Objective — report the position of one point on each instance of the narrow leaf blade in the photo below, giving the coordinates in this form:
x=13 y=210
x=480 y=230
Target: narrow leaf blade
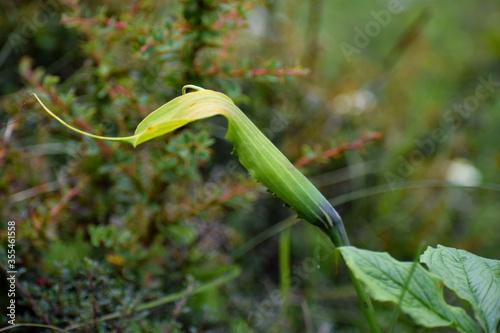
x=419 y=293
x=472 y=278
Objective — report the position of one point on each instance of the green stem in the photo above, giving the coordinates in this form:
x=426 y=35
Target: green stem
x=366 y=303
x=284 y=257
x=54 y=328
x=231 y=275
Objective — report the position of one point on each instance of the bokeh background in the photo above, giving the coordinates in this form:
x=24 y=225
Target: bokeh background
x=390 y=107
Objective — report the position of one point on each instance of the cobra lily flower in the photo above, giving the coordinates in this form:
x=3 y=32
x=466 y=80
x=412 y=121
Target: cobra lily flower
x=257 y=154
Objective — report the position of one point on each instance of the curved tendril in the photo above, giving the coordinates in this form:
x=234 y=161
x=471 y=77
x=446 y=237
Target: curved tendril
x=129 y=139
x=190 y=86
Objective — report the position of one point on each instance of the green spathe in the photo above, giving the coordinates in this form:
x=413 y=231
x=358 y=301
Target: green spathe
x=259 y=156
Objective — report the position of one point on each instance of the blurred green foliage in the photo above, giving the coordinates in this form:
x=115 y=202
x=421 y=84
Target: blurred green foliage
x=175 y=209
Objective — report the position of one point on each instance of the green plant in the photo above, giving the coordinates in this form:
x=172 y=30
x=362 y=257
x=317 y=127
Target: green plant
x=111 y=205
x=414 y=290
x=164 y=212
x=83 y=293
x=419 y=293
x=262 y=159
